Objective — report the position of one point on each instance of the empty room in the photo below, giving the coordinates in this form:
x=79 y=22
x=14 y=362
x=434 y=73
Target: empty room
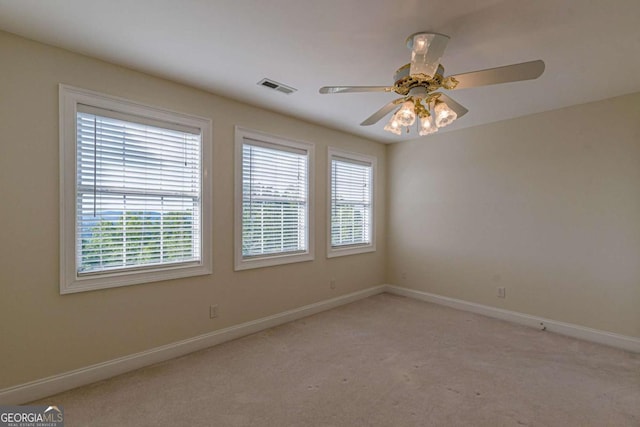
x=327 y=213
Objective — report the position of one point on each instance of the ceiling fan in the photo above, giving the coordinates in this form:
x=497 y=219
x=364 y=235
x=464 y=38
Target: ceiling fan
x=419 y=81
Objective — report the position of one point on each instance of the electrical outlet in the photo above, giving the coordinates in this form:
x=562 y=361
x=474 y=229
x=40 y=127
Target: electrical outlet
x=213 y=311
x=332 y=283
x=403 y=275
x=502 y=292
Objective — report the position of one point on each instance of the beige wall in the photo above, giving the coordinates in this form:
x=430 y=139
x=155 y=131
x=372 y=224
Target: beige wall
x=547 y=206
x=43 y=333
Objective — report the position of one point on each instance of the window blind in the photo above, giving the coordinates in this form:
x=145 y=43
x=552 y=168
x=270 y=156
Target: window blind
x=351 y=194
x=274 y=199
x=138 y=192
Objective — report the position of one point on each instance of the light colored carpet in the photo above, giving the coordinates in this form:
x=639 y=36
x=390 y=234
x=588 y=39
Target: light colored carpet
x=382 y=361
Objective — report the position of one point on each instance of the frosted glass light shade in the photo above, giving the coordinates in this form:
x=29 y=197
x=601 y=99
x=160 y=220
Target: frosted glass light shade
x=393 y=126
x=444 y=114
x=427 y=126
x=406 y=116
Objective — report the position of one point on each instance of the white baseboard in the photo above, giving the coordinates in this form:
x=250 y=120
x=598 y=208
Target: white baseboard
x=576 y=331
x=58 y=383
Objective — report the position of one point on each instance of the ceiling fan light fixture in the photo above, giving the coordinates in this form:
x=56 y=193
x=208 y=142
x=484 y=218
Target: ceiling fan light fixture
x=393 y=126
x=406 y=115
x=444 y=114
x=427 y=126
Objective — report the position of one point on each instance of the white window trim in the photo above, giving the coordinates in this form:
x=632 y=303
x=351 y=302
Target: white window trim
x=270 y=260
x=353 y=249
x=70 y=281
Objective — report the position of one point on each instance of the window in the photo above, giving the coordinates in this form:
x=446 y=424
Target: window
x=351 y=178
x=274 y=213
x=134 y=198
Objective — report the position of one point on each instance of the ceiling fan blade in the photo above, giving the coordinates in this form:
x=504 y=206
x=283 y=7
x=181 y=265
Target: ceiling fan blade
x=509 y=73
x=348 y=89
x=459 y=109
x=375 y=117
x=426 y=51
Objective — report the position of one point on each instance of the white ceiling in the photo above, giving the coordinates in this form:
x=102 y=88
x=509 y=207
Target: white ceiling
x=591 y=48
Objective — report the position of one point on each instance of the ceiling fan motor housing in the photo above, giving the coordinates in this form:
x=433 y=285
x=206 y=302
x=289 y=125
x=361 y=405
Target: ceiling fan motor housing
x=404 y=81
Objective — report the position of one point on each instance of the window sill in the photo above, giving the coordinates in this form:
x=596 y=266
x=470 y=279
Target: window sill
x=272 y=260
x=114 y=280
x=350 y=250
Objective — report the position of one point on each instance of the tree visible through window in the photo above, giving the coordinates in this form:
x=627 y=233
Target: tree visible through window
x=137 y=238
x=138 y=193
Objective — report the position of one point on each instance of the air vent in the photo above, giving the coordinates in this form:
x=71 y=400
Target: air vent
x=277 y=86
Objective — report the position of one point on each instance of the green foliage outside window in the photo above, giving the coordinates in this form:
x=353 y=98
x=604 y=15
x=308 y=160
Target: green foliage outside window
x=138 y=238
